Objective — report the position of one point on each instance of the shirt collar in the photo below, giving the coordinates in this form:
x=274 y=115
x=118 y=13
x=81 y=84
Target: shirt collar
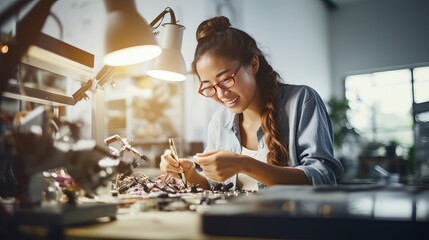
x=232 y=121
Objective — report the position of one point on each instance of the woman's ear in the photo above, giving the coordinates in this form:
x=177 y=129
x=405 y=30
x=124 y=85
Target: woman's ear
x=254 y=62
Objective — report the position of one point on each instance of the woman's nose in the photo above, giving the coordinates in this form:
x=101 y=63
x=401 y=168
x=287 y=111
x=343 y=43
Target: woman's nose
x=220 y=92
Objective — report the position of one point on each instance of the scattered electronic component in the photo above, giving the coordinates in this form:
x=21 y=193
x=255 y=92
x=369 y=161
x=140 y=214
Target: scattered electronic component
x=164 y=192
x=145 y=194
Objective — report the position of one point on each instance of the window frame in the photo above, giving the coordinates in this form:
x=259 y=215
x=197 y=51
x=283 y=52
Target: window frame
x=417 y=108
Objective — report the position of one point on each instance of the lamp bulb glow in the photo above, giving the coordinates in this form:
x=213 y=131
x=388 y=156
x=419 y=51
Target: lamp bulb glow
x=166 y=75
x=132 y=55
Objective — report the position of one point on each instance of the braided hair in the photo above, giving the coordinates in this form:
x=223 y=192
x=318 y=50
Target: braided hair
x=216 y=36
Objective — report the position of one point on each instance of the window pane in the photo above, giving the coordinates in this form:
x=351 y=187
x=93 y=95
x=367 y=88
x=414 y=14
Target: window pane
x=381 y=105
x=421 y=84
x=395 y=99
x=357 y=82
x=403 y=136
x=393 y=120
x=361 y=117
x=357 y=88
x=392 y=77
x=421 y=74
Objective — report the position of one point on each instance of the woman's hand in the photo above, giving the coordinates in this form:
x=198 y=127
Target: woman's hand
x=219 y=165
x=169 y=165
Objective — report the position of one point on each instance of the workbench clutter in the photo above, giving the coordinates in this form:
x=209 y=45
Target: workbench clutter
x=137 y=191
x=55 y=167
x=66 y=187
x=140 y=193
x=55 y=176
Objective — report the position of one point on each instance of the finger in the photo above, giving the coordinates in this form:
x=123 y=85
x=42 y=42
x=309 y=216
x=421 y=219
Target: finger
x=203 y=161
x=172 y=169
x=197 y=160
x=165 y=167
x=169 y=158
x=200 y=161
x=185 y=163
x=211 y=176
x=208 y=169
x=205 y=154
x=167 y=152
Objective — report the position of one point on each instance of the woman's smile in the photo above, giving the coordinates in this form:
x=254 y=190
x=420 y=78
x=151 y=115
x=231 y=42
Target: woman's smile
x=230 y=102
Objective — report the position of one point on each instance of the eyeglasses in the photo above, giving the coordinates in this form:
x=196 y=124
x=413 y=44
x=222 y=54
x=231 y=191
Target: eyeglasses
x=224 y=84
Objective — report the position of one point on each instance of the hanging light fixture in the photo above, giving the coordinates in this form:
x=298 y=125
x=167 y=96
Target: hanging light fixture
x=170 y=65
x=129 y=39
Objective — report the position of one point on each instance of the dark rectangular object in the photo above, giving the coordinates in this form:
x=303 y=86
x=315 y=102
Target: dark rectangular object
x=271 y=226
x=306 y=212
x=64 y=49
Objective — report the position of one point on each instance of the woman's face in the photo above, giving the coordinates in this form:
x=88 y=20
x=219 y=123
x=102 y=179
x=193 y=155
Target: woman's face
x=240 y=96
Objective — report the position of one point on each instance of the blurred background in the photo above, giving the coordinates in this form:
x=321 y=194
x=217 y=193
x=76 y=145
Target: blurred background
x=368 y=59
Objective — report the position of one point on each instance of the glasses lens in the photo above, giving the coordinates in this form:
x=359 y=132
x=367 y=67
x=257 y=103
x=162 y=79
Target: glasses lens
x=227 y=83
x=208 y=92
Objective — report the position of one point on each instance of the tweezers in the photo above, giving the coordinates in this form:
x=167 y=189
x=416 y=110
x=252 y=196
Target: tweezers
x=176 y=157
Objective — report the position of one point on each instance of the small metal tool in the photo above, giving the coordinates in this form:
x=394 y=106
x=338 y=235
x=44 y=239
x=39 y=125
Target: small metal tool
x=176 y=157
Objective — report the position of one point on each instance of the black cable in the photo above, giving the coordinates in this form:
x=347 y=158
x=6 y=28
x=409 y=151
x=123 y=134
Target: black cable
x=60 y=25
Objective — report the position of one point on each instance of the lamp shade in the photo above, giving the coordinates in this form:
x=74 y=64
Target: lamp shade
x=170 y=65
x=129 y=39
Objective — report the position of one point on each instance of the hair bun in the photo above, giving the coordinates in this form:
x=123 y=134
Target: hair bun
x=213 y=25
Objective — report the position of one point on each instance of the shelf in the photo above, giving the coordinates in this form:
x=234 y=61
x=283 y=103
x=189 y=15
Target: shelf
x=38 y=96
x=50 y=56
x=59 y=57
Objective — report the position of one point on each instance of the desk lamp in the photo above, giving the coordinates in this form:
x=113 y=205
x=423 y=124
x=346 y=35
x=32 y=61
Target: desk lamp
x=170 y=65
x=27 y=32
x=129 y=39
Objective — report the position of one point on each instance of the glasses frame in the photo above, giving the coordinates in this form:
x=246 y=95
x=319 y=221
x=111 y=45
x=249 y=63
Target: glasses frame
x=201 y=89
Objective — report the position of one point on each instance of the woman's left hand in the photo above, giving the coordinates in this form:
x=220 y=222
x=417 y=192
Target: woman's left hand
x=218 y=165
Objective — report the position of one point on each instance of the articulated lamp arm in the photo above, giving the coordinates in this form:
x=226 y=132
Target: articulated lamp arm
x=161 y=16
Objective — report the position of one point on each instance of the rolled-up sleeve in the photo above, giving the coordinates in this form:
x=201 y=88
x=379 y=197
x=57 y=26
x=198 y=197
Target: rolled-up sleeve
x=313 y=142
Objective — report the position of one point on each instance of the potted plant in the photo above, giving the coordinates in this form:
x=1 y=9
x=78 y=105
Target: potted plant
x=342 y=128
x=391 y=148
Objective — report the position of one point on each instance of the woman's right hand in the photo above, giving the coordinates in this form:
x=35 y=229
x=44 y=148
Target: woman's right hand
x=169 y=165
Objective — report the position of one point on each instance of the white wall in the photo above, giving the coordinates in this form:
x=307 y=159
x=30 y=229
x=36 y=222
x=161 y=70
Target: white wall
x=378 y=34
x=293 y=34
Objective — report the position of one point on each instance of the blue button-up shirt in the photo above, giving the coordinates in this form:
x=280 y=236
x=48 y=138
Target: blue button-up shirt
x=305 y=128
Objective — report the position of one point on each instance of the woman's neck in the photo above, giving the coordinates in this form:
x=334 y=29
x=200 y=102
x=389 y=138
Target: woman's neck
x=250 y=119
x=252 y=114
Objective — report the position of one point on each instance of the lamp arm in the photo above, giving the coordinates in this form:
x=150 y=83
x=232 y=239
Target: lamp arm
x=80 y=93
x=103 y=76
x=162 y=14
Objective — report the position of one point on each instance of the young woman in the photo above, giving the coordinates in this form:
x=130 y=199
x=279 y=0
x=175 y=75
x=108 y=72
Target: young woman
x=267 y=133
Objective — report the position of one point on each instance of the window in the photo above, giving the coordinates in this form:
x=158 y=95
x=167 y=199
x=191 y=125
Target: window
x=421 y=90
x=381 y=103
